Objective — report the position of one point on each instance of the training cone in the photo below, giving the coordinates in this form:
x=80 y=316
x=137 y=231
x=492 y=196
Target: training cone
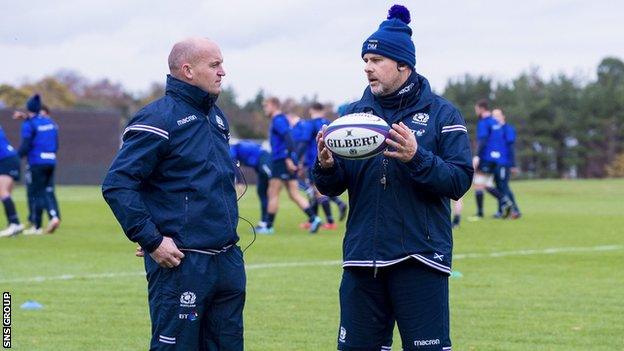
x=456 y=274
x=31 y=305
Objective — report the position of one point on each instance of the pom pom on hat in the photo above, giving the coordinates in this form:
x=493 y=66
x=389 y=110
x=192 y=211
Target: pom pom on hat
x=400 y=12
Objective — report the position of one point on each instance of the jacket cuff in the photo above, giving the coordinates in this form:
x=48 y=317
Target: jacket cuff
x=150 y=242
x=419 y=161
x=318 y=169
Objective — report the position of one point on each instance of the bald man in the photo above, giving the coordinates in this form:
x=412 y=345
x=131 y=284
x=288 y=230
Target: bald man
x=171 y=187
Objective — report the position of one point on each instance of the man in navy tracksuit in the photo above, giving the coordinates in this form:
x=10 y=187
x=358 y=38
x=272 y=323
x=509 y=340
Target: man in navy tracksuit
x=39 y=146
x=252 y=155
x=398 y=244
x=171 y=187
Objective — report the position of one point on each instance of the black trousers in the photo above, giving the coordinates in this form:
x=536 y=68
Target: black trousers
x=198 y=305
x=41 y=193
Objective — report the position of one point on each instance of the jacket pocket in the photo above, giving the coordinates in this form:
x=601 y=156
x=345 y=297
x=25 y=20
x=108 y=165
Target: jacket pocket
x=184 y=216
x=427 y=224
x=186 y=208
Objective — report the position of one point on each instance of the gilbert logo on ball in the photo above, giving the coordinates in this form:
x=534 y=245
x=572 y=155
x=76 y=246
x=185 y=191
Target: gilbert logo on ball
x=357 y=136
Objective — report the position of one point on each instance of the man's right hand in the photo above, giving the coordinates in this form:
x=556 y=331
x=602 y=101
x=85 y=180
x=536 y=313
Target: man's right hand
x=326 y=159
x=167 y=254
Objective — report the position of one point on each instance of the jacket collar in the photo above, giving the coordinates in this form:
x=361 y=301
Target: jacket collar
x=193 y=95
x=421 y=97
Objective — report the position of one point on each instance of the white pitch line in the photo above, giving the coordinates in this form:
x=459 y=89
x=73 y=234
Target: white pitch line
x=550 y=251
x=254 y=266
x=291 y=264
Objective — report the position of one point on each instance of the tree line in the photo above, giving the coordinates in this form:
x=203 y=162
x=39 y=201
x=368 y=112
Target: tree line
x=567 y=126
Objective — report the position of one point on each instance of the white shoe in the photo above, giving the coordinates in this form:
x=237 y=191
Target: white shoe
x=261 y=225
x=12 y=229
x=33 y=231
x=54 y=223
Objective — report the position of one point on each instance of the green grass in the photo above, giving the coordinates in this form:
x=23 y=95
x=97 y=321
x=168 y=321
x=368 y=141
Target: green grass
x=560 y=301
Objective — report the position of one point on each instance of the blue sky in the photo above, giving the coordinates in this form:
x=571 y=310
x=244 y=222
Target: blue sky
x=296 y=48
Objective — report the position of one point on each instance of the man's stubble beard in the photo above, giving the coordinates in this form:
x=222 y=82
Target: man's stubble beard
x=384 y=90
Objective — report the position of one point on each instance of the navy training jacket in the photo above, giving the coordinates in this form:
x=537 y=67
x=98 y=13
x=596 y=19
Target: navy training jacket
x=39 y=141
x=248 y=153
x=173 y=175
x=281 y=139
x=311 y=153
x=409 y=216
x=509 y=155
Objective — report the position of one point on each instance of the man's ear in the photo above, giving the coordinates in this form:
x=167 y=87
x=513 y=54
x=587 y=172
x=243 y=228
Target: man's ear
x=187 y=71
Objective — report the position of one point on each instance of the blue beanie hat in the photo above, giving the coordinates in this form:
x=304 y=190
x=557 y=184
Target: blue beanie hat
x=34 y=104
x=393 y=39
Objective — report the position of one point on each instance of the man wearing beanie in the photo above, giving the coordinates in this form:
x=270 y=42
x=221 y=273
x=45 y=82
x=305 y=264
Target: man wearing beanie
x=398 y=243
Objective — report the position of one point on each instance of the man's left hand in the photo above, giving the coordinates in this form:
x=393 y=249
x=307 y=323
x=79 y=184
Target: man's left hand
x=403 y=141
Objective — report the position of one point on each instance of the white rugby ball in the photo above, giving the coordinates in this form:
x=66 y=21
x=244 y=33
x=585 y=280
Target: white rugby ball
x=357 y=136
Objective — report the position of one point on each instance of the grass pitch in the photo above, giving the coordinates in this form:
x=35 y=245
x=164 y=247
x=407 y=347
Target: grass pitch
x=553 y=280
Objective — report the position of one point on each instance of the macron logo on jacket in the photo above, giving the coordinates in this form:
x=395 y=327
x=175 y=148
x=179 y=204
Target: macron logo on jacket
x=185 y=120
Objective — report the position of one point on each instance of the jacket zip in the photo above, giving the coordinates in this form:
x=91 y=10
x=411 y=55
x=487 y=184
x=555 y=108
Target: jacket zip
x=186 y=207
x=427 y=224
x=383 y=181
x=227 y=208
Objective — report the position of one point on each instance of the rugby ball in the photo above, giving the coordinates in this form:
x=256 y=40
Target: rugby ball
x=357 y=136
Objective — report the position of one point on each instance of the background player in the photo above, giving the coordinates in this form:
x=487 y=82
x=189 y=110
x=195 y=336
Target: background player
x=9 y=172
x=283 y=168
x=53 y=210
x=507 y=161
x=317 y=114
x=39 y=146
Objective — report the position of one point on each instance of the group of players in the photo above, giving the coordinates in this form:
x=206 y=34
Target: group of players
x=39 y=146
x=289 y=163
